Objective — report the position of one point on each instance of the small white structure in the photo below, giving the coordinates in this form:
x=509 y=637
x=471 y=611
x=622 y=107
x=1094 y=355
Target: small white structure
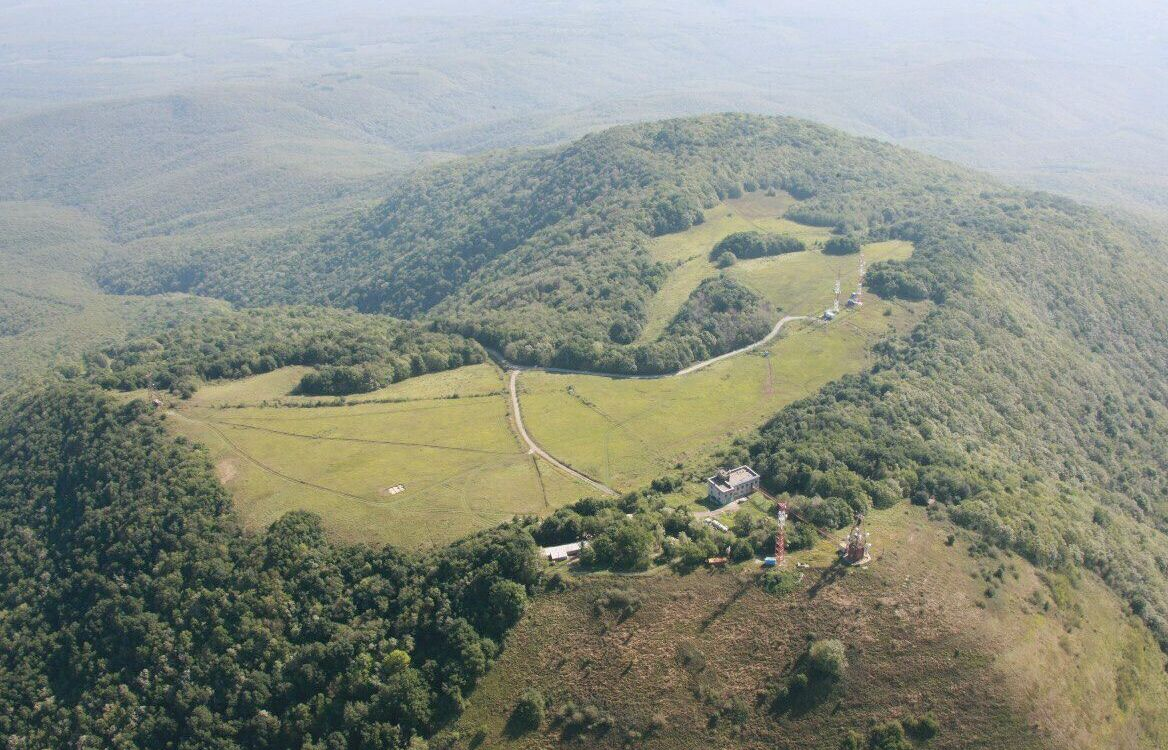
x=731 y=484
x=561 y=552
x=829 y=314
x=717 y=524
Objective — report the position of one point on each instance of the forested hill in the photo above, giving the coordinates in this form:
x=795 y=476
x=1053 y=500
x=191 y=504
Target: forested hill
x=1033 y=401
x=135 y=613
x=543 y=252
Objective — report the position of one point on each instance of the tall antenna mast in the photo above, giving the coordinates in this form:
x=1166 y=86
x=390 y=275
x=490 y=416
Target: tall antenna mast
x=781 y=534
x=835 y=307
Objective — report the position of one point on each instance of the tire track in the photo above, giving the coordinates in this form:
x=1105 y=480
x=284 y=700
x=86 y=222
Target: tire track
x=370 y=441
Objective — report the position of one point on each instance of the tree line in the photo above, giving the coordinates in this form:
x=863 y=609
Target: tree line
x=352 y=353
x=137 y=614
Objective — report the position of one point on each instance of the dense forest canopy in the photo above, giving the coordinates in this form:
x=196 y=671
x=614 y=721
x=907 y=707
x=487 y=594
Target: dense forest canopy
x=755 y=244
x=353 y=352
x=135 y=613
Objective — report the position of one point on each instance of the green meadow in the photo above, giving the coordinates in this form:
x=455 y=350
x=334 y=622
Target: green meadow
x=690 y=250
x=459 y=464
x=626 y=432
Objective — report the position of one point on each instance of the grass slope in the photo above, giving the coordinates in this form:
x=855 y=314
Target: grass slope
x=461 y=466
x=627 y=432
x=689 y=250
x=1012 y=670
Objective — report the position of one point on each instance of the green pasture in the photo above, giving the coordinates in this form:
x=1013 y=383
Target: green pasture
x=690 y=249
x=461 y=466
x=802 y=283
x=626 y=432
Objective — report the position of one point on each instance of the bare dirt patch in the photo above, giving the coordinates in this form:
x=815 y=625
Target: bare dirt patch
x=226 y=469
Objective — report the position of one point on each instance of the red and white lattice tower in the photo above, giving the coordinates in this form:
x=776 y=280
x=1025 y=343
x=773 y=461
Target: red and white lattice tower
x=781 y=534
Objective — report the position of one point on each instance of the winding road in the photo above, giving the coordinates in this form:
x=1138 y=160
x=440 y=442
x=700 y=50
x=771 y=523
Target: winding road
x=533 y=447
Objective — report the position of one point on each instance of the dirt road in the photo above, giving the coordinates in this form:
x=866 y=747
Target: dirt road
x=533 y=447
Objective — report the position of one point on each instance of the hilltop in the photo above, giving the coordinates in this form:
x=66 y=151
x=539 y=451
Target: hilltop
x=543 y=254
x=1035 y=390
x=1005 y=373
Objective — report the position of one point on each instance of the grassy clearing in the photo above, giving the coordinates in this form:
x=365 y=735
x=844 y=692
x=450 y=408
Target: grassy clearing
x=275 y=388
x=801 y=283
x=921 y=636
x=690 y=249
x=461 y=466
x=627 y=432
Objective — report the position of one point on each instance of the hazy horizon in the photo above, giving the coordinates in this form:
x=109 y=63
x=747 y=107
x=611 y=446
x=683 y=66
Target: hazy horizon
x=1069 y=96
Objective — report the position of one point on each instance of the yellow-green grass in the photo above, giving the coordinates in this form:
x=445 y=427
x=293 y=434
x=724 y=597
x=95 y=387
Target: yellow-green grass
x=802 y=283
x=691 y=249
x=276 y=388
x=461 y=466
x=626 y=432
x=922 y=637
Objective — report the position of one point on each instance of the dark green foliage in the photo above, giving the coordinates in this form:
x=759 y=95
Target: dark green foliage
x=888 y=736
x=826 y=660
x=356 y=353
x=721 y=315
x=623 y=603
x=781 y=581
x=756 y=244
x=923 y=728
x=344 y=380
x=584 y=518
x=139 y=616
x=741 y=551
x=529 y=712
x=725 y=259
x=667 y=484
x=895 y=279
x=841 y=246
x=625 y=545
x=574 y=720
x=759 y=533
x=832 y=513
x=813 y=678
x=734 y=710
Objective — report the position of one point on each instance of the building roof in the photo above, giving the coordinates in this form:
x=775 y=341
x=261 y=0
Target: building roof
x=733 y=478
x=562 y=551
